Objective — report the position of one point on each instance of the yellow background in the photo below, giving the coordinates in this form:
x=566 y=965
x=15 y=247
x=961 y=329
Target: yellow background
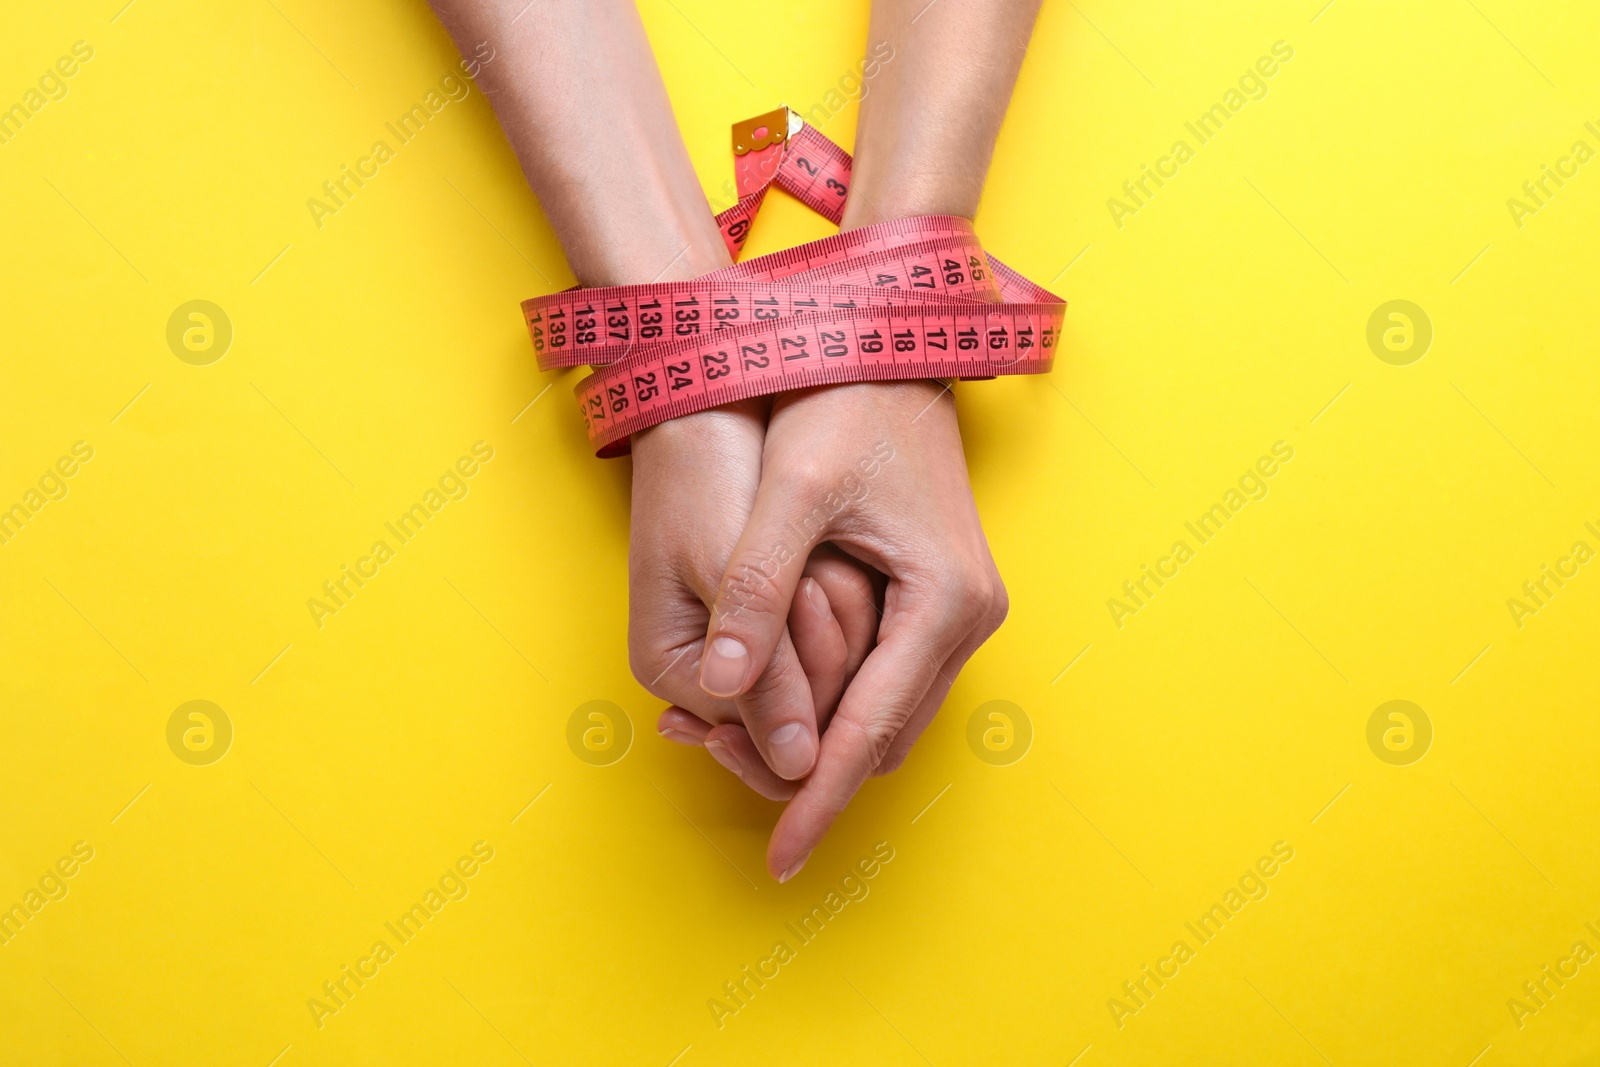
x=1230 y=713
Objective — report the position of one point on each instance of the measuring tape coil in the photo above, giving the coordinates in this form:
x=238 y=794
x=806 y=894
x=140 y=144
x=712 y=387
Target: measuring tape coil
x=914 y=298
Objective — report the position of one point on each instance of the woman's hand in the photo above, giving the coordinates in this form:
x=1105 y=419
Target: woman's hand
x=831 y=646
x=876 y=469
x=694 y=484
x=686 y=517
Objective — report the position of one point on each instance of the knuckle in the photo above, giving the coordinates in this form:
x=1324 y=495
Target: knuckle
x=892 y=761
x=650 y=667
x=834 y=658
x=750 y=588
x=805 y=476
x=772 y=684
x=877 y=736
x=853 y=586
x=970 y=593
x=999 y=604
x=821 y=649
x=857 y=582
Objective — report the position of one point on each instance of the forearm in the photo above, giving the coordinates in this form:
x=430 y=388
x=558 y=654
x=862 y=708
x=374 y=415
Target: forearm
x=577 y=91
x=929 y=123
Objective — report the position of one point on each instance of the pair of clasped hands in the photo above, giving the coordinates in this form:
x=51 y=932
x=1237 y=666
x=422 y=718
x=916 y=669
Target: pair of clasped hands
x=807 y=572
x=807 y=576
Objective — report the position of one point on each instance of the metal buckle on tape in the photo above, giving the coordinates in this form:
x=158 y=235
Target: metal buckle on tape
x=761 y=132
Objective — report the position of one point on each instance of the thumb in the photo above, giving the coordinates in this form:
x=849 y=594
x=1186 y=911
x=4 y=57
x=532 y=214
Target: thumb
x=751 y=611
x=748 y=652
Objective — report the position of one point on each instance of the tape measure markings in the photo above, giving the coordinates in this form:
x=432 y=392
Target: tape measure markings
x=913 y=298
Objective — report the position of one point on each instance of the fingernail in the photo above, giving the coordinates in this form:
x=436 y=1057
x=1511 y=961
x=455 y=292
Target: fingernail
x=818 y=599
x=679 y=736
x=722 y=674
x=794 y=868
x=791 y=750
x=720 y=753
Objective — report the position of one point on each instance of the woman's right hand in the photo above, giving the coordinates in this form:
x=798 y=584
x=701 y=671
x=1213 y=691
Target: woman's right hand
x=694 y=486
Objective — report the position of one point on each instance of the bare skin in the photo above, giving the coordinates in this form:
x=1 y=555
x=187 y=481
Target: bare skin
x=809 y=683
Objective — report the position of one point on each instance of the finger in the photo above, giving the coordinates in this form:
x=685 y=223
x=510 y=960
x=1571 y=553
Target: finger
x=931 y=702
x=731 y=746
x=779 y=714
x=751 y=610
x=748 y=651
x=823 y=650
x=889 y=689
x=852 y=588
x=820 y=646
x=683 y=727
x=686 y=518
x=673 y=674
x=934 y=699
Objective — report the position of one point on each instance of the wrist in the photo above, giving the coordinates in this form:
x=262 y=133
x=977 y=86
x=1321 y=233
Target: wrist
x=903 y=197
x=862 y=406
x=706 y=435
x=641 y=251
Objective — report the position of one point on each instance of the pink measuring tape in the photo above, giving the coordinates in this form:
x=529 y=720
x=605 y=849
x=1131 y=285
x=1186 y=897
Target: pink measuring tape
x=916 y=298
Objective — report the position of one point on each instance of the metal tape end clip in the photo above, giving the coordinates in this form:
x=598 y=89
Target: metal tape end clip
x=772 y=128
